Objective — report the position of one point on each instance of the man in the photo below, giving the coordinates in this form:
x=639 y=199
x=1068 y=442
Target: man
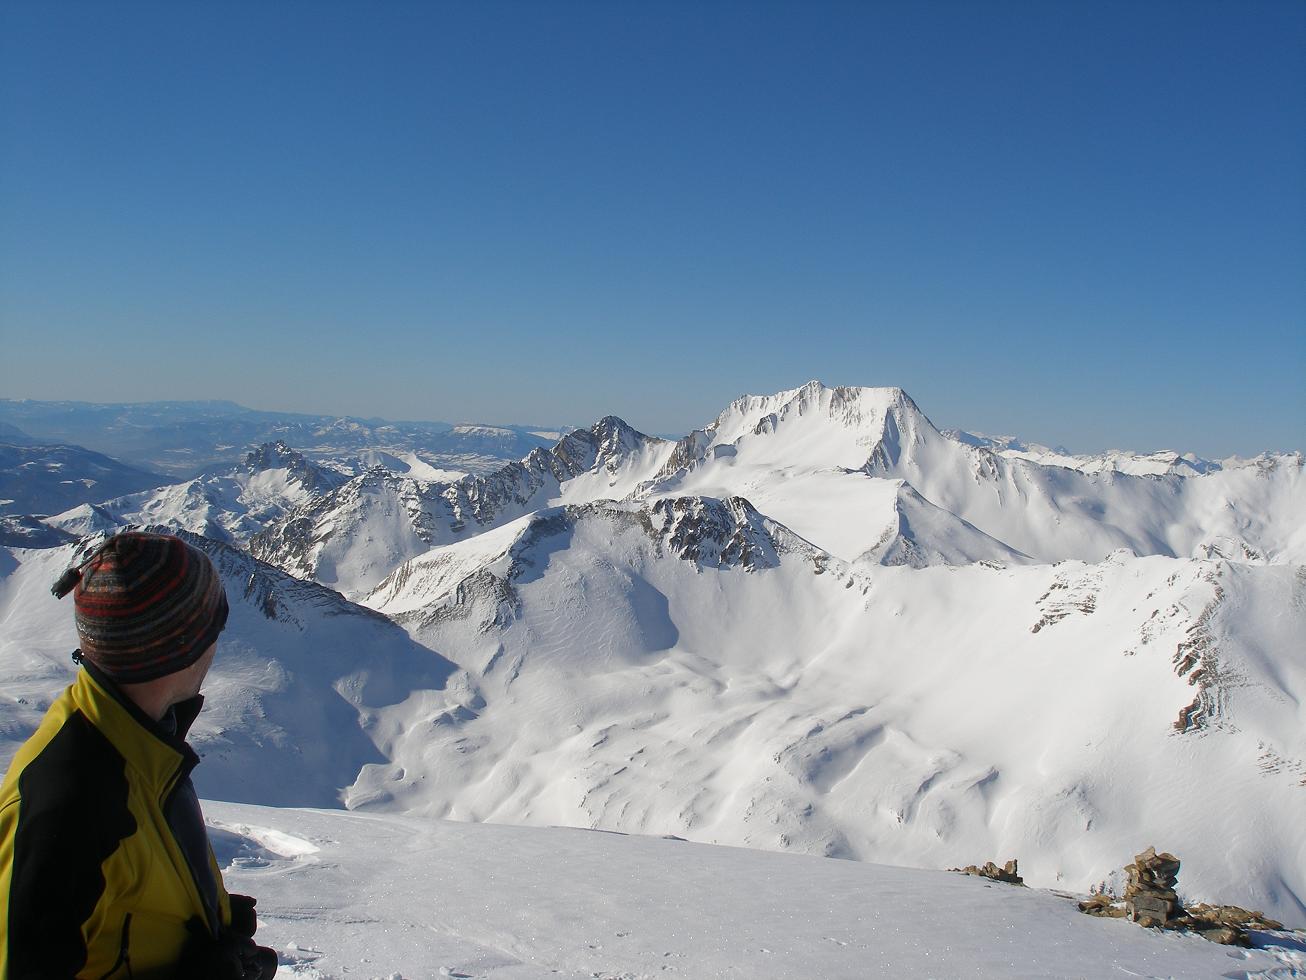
x=105 y=866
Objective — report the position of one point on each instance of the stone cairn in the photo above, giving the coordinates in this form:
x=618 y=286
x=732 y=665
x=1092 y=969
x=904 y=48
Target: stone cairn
x=1150 y=900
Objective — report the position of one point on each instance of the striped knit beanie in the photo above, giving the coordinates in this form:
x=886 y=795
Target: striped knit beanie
x=147 y=605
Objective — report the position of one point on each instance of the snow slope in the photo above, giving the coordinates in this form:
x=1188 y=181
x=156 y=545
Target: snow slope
x=406 y=464
x=402 y=898
x=689 y=666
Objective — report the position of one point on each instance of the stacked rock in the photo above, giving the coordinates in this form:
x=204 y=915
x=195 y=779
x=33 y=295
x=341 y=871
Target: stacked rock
x=1150 y=898
x=1008 y=872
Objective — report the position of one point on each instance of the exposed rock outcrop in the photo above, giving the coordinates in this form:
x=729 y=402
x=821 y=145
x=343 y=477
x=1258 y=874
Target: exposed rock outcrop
x=1104 y=906
x=1008 y=873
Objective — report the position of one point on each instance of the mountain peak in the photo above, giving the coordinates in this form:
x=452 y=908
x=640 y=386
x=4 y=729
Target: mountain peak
x=603 y=444
x=814 y=425
x=271 y=456
x=300 y=469
x=848 y=407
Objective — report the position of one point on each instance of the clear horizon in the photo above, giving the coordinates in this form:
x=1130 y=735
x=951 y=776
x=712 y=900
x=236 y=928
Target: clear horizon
x=1075 y=224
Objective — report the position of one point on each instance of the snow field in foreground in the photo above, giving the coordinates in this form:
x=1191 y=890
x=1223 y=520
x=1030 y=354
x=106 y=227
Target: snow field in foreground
x=398 y=898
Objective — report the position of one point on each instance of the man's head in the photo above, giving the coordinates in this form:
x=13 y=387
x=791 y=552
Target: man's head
x=148 y=606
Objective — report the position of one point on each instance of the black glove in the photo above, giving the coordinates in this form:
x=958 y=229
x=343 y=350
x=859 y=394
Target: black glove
x=229 y=957
x=259 y=962
x=244 y=922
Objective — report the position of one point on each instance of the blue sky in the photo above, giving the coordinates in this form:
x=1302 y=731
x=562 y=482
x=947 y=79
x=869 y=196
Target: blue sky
x=1081 y=223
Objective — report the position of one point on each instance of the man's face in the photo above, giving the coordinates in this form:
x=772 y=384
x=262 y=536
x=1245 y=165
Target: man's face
x=190 y=679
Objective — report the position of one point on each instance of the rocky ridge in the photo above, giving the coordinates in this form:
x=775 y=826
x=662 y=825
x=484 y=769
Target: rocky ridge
x=230 y=506
x=430 y=513
x=312 y=477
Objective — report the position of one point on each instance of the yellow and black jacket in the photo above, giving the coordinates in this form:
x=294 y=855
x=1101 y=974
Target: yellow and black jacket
x=105 y=871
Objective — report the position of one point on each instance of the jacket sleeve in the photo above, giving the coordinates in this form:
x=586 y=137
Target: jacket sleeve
x=68 y=817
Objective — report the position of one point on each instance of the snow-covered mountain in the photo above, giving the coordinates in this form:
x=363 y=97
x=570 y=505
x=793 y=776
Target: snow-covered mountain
x=231 y=505
x=492 y=441
x=1167 y=461
x=817 y=624
x=404 y=464
x=858 y=471
x=355 y=536
x=821 y=460
x=924 y=535
x=689 y=666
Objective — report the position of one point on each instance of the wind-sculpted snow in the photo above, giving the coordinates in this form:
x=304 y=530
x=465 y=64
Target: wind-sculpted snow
x=368 y=895
x=621 y=676
x=924 y=535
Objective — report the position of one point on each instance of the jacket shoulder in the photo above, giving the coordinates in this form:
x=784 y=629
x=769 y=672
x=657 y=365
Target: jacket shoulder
x=74 y=762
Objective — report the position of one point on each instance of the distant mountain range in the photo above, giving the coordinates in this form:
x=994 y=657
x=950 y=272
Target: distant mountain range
x=817 y=623
x=188 y=438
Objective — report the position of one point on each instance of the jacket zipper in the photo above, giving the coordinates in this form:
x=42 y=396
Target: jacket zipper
x=124 y=952
x=173 y=785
